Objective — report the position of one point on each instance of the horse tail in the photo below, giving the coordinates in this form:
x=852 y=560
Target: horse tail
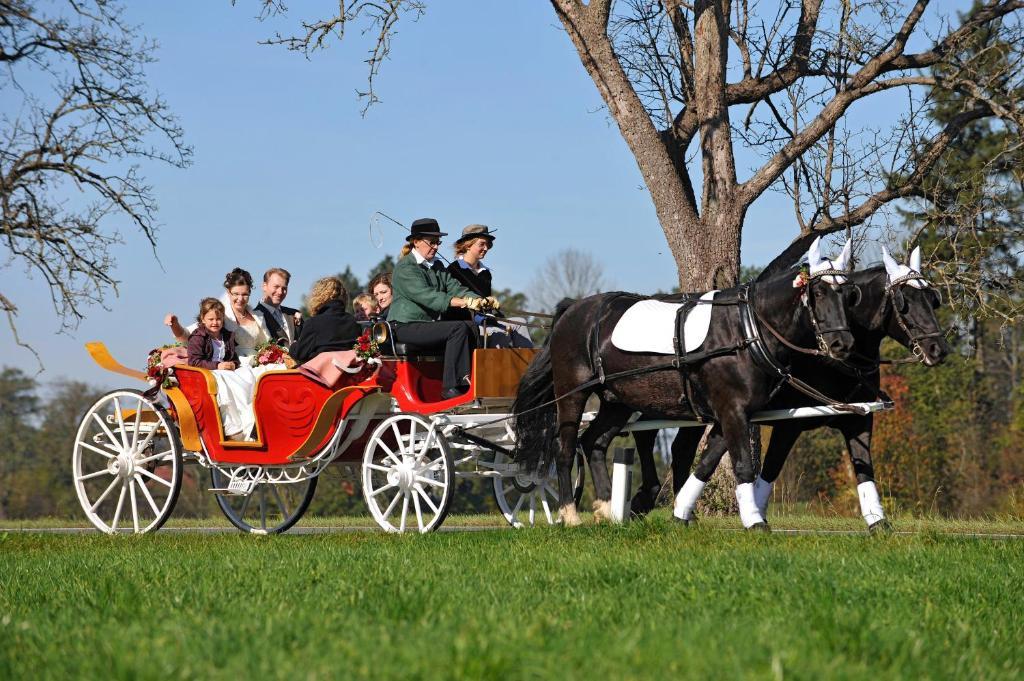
x=535 y=408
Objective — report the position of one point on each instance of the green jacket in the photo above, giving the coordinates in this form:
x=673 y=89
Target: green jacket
x=420 y=294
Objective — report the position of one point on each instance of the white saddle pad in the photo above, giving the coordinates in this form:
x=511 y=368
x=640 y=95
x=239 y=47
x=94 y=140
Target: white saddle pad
x=648 y=326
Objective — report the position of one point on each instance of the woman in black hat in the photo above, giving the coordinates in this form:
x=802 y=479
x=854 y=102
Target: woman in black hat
x=468 y=268
x=423 y=291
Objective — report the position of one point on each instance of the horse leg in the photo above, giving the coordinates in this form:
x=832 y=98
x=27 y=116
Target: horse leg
x=784 y=436
x=602 y=430
x=736 y=431
x=857 y=432
x=690 y=491
x=643 y=501
x=570 y=412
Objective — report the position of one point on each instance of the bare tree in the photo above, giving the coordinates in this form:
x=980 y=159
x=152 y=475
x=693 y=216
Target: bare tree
x=79 y=119
x=689 y=82
x=569 y=273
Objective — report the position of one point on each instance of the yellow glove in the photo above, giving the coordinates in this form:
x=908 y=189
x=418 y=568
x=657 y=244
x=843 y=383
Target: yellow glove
x=493 y=303
x=474 y=304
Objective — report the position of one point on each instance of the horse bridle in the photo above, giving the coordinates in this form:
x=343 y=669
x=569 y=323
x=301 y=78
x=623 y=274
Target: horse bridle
x=819 y=330
x=891 y=291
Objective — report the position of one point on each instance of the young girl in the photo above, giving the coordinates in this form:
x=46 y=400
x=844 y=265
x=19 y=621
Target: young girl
x=364 y=306
x=211 y=346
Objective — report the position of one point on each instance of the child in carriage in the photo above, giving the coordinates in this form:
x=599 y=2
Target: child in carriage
x=211 y=346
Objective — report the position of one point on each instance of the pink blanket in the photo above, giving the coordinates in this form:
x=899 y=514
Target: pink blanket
x=328 y=368
x=170 y=357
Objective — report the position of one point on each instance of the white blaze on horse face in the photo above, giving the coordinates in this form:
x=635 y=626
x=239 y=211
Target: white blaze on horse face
x=895 y=270
x=686 y=500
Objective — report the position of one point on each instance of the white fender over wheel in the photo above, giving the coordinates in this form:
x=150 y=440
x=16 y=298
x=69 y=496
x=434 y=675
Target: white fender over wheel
x=127 y=463
x=408 y=474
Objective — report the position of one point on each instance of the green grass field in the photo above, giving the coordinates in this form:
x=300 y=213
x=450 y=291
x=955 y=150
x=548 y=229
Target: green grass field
x=649 y=600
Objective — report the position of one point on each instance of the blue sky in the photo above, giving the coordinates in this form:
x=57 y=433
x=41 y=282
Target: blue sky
x=487 y=116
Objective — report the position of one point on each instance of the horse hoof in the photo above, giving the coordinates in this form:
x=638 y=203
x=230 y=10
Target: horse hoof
x=881 y=527
x=685 y=522
x=759 y=527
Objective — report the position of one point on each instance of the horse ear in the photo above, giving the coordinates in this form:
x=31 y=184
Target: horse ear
x=843 y=261
x=915 y=259
x=814 y=253
x=892 y=268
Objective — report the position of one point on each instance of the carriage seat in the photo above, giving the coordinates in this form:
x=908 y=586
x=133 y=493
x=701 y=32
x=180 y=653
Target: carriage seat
x=389 y=347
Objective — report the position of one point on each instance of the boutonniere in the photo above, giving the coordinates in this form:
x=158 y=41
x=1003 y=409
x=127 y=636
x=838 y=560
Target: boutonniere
x=802 y=278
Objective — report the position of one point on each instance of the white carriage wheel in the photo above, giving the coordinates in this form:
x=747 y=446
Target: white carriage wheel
x=270 y=508
x=408 y=474
x=524 y=499
x=126 y=463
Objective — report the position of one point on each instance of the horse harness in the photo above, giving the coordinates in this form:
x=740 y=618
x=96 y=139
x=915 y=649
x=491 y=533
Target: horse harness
x=753 y=342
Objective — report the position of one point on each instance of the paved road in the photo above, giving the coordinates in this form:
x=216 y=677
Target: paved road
x=484 y=528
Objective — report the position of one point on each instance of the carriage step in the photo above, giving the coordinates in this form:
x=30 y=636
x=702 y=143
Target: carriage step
x=240 y=488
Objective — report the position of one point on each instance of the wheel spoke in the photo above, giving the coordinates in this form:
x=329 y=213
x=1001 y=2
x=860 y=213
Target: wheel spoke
x=388 y=454
x=149 y=438
x=405 y=511
x=546 y=507
x=149 y=497
x=280 y=502
x=104 y=495
x=135 y=507
x=430 y=481
x=120 y=423
x=433 y=464
x=156 y=478
x=419 y=512
x=263 y=506
x=533 y=507
x=90 y=476
x=245 y=505
x=412 y=436
x=426 y=498
x=519 y=503
x=398 y=437
x=101 y=452
x=166 y=454
x=103 y=427
x=138 y=420
x=378 y=467
x=117 y=511
x=391 y=506
x=382 y=489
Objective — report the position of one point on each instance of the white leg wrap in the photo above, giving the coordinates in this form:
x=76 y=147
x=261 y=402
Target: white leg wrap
x=762 y=494
x=749 y=515
x=870 y=503
x=687 y=498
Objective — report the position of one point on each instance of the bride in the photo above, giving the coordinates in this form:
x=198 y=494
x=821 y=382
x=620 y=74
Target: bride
x=235 y=388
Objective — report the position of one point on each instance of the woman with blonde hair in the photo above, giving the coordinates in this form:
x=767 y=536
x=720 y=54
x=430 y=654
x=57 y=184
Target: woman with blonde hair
x=331 y=327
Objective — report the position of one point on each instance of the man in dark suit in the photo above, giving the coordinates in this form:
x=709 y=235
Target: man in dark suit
x=284 y=323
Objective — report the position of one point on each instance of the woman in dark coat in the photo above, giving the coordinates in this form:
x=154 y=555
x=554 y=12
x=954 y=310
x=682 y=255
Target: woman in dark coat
x=331 y=327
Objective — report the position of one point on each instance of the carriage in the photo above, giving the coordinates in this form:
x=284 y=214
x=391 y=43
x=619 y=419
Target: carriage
x=410 y=446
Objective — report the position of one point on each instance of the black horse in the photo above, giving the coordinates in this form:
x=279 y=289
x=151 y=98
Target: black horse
x=894 y=301
x=725 y=382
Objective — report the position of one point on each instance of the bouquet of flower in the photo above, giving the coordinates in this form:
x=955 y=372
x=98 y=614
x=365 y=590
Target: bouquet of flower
x=366 y=348
x=156 y=372
x=272 y=352
x=802 y=278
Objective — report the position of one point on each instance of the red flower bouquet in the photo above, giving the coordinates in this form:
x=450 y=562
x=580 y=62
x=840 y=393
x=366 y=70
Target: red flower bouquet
x=156 y=372
x=272 y=352
x=366 y=347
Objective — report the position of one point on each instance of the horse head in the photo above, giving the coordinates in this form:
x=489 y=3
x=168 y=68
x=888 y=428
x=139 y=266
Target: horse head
x=913 y=302
x=823 y=298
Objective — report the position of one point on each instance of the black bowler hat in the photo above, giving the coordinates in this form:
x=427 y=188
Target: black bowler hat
x=425 y=227
x=476 y=232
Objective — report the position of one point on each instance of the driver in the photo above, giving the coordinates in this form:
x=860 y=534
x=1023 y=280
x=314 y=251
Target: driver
x=423 y=291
